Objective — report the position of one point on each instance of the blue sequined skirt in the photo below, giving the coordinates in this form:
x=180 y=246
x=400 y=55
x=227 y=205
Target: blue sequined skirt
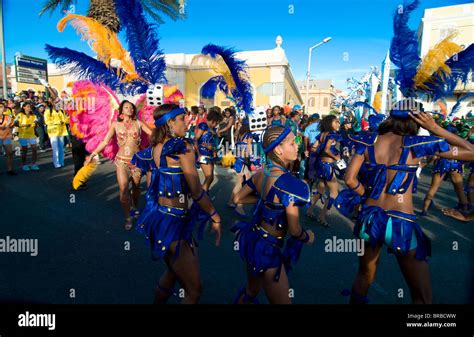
x=399 y=231
x=163 y=225
x=262 y=251
x=444 y=165
x=324 y=171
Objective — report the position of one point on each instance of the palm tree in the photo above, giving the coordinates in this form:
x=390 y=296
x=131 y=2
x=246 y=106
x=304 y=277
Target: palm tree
x=104 y=10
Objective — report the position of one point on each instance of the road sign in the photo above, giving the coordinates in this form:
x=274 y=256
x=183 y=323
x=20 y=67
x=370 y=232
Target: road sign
x=31 y=69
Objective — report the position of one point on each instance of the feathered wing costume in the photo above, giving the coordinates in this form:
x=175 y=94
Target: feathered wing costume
x=115 y=69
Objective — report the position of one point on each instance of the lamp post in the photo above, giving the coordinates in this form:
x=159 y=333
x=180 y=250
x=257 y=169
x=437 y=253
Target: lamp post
x=2 y=47
x=309 y=69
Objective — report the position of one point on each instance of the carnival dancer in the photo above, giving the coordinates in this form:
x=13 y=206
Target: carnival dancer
x=443 y=167
x=244 y=153
x=328 y=154
x=166 y=221
x=127 y=129
x=387 y=215
x=261 y=242
x=206 y=143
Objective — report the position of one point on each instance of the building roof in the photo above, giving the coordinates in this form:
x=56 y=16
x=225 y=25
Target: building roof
x=322 y=84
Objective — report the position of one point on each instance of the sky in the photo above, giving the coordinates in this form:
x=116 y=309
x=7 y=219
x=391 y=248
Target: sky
x=361 y=31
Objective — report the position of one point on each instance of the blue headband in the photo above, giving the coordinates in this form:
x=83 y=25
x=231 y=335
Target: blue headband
x=399 y=113
x=277 y=141
x=167 y=116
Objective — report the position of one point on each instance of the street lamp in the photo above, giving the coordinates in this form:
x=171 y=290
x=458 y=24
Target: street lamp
x=309 y=68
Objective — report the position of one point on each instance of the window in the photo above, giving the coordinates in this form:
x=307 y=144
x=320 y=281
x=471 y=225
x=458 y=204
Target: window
x=446 y=30
x=325 y=102
x=311 y=101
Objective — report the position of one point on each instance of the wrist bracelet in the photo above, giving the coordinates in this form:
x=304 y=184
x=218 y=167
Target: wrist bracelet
x=306 y=239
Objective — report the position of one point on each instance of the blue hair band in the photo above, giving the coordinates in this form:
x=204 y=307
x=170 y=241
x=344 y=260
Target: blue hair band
x=277 y=141
x=167 y=116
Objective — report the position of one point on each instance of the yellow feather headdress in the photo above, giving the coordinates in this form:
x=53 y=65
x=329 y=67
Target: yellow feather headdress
x=102 y=41
x=434 y=62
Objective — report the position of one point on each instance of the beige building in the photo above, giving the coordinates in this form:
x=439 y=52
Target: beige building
x=269 y=71
x=321 y=94
x=436 y=24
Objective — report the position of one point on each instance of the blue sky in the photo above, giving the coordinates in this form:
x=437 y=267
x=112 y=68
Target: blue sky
x=360 y=28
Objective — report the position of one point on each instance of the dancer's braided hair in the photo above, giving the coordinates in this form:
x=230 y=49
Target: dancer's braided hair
x=270 y=135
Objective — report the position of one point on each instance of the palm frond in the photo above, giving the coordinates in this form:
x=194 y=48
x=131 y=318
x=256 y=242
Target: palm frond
x=51 y=5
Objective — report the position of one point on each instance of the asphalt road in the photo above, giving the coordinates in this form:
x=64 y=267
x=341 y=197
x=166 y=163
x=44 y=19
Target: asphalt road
x=82 y=255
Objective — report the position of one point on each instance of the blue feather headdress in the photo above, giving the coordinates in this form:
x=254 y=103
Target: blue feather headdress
x=142 y=41
x=215 y=83
x=232 y=72
x=404 y=54
x=88 y=68
x=404 y=48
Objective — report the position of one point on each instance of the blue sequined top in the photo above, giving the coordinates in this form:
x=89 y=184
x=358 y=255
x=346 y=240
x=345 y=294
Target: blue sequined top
x=287 y=189
x=166 y=181
x=374 y=175
x=333 y=135
x=207 y=139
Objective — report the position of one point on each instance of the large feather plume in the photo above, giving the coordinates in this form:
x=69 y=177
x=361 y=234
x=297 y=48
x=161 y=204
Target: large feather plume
x=223 y=62
x=404 y=48
x=142 y=41
x=434 y=62
x=88 y=68
x=215 y=83
x=83 y=175
x=461 y=65
x=102 y=41
x=96 y=108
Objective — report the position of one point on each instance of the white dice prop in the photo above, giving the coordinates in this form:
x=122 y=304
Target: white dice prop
x=258 y=119
x=154 y=95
